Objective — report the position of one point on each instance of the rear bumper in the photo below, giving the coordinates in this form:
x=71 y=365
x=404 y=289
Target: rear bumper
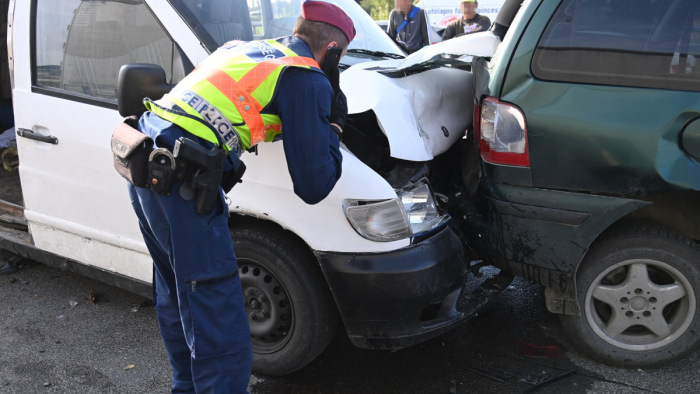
x=542 y=234
x=397 y=299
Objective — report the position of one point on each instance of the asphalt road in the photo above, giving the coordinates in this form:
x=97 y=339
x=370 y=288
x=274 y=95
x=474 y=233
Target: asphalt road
x=54 y=339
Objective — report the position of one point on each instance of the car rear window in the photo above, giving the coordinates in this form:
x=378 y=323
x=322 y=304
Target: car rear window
x=645 y=43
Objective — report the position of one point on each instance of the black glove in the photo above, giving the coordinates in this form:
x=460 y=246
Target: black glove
x=339 y=106
x=330 y=67
x=339 y=109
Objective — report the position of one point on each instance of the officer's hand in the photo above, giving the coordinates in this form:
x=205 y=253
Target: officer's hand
x=339 y=109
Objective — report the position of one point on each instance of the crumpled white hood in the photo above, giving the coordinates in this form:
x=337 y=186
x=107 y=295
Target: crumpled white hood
x=424 y=113
x=482 y=44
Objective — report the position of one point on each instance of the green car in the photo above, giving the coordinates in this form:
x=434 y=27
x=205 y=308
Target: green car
x=587 y=121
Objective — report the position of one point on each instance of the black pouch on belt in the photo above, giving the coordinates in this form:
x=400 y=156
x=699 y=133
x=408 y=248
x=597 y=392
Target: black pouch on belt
x=233 y=177
x=131 y=149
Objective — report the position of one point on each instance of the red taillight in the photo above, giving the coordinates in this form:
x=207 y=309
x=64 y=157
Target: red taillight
x=502 y=133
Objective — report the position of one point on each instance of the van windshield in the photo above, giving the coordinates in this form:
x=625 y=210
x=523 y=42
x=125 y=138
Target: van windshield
x=219 y=21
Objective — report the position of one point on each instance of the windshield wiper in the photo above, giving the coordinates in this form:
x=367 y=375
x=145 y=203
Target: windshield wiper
x=376 y=53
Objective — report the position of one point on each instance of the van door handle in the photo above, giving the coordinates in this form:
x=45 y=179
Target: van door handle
x=26 y=133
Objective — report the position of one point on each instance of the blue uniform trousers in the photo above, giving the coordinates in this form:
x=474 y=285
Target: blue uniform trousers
x=197 y=292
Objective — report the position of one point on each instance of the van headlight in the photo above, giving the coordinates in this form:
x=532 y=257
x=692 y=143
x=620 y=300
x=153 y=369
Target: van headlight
x=412 y=212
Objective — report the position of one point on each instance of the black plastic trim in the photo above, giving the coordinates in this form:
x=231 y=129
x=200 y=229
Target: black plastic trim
x=30 y=134
x=383 y=298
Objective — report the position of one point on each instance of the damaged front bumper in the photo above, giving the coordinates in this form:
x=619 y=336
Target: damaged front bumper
x=401 y=298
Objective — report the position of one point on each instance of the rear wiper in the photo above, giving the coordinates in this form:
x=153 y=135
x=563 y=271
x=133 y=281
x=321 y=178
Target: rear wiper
x=376 y=53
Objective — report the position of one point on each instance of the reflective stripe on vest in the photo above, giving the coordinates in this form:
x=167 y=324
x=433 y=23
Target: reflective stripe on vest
x=229 y=90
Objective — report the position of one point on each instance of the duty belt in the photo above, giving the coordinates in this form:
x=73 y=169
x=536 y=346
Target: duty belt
x=222 y=128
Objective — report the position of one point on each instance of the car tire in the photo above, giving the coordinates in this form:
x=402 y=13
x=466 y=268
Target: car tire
x=291 y=312
x=638 y=290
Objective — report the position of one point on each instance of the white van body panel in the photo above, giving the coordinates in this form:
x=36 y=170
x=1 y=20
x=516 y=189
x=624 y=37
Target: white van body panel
x=422 y=115
x=267 y=192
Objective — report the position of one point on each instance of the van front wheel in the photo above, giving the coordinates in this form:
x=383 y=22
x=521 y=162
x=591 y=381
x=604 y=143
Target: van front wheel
x=638 y=291
x=290 y=310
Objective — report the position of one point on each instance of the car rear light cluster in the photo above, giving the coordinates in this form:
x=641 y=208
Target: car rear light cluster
x=502 y=134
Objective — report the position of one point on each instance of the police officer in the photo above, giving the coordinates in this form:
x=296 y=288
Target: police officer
x=246 y=93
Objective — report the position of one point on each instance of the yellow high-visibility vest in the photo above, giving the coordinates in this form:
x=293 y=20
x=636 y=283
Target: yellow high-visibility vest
x=228 y=91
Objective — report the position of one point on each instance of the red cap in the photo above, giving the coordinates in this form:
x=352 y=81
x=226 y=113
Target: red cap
x=320 y=11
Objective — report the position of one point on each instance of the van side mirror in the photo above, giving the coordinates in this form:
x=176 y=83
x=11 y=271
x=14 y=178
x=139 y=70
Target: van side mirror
x=136 y=82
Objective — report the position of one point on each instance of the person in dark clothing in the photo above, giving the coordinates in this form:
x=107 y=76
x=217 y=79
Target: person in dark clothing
x=408 y=25
x=470 y=22
x=260 y=86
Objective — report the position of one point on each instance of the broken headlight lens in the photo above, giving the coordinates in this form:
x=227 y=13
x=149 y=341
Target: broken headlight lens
x=382 y=221
x=419 y=204
x=413 y=212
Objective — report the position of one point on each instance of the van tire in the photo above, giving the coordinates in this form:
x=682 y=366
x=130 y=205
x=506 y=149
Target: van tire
x=291 y=312
x=649 y=277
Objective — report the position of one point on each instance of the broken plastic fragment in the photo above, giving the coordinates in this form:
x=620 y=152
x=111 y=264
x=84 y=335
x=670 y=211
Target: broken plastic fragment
x=73 y=303
x=130 y=366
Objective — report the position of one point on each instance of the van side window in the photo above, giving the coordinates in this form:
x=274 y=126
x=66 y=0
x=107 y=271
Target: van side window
x=80 y=45
x=641 y=43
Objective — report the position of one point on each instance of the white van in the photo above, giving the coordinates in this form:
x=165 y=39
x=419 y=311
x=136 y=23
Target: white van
x=380 y=254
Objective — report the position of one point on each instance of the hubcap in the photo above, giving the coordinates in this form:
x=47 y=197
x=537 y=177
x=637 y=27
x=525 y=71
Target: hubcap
x=640 y=304
x=267 y=304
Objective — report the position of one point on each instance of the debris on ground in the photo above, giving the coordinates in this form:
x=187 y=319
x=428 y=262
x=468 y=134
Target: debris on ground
x=537 y=380
x=485 y=374
x=535 y=351
x=13 y=263
x=551 y=381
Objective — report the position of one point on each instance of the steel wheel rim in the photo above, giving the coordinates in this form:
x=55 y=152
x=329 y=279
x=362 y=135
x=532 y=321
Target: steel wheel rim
x=268 y=306
x=640 y=304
